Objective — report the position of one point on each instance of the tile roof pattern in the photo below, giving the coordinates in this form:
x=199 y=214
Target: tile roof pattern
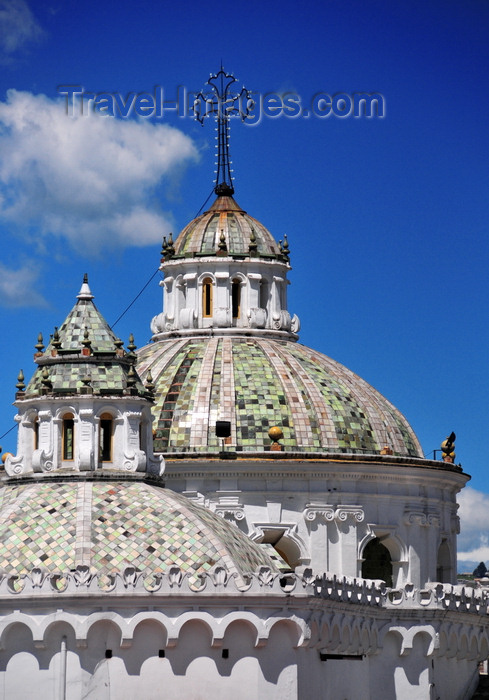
x=319 y=404
x=85 y=315
x=201 y=236
x=106 y=367
x=110 y=525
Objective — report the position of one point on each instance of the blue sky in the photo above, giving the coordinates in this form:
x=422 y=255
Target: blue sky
x=386 y=218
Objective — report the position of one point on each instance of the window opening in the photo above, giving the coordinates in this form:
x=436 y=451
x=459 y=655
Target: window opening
x=264 y=293
x=207 y=298
x=105 y=445
x=236 y=298
x=36 y=434
x=377 y=562
x=68 y=436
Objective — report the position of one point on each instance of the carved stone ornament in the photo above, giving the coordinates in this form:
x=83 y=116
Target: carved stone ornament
x=15 y=465
x=257 y=317
x=231 y=511
x=344 y=512
x=134 y=460
x=314 y=511
x=188 y=318
x=329 y=513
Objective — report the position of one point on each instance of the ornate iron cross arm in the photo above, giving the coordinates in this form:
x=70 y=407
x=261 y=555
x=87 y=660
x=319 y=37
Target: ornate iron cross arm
x=224 y=102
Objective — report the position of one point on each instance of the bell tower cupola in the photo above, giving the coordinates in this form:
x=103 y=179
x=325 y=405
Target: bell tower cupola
x=85 y=408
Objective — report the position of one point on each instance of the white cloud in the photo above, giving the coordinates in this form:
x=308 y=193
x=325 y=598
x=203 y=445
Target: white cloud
x=17 y=287
x=18 y=26
x=87 y=179
x=473 y=542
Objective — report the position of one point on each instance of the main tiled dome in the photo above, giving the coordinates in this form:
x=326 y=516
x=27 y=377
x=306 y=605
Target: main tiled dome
x=110 y=524
x=256 y=383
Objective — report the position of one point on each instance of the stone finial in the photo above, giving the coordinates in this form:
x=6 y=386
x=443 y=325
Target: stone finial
x=20 y=382
x=149 y=382
x=447 y=448
x=131 y=347
x=40 y=345
x=167 y=248
x=131 y=377
x=119 y=345
x=86 y=387
x=45 y=379
x=253 y=247
x=56 y=341
x=87 y=343
x=223 y=246
x=286 y=249
x=275 y=434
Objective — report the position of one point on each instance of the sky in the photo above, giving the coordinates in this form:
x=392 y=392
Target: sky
x=386 y=216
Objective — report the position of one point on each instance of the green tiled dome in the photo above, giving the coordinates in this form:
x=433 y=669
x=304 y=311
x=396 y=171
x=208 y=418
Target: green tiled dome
x=255 y=383
x=110 y=525
x=201 y=236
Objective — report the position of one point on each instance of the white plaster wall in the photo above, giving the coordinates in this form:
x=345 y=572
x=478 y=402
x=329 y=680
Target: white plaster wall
x=277 y=668
x=410 y=508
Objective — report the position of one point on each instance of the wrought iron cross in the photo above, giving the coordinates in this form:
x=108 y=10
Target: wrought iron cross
x=223 y=102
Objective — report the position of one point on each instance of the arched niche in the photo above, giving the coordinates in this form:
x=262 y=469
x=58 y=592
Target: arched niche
x=377 y=562
x=387 y=536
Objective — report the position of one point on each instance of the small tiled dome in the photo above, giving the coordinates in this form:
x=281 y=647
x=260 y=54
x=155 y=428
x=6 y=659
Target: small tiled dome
x=202 y=235
x=108 y=525
x=257 y=383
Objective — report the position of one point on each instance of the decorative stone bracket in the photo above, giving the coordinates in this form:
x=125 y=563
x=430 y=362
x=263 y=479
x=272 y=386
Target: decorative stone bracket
x=230 y=511
x=331 y=513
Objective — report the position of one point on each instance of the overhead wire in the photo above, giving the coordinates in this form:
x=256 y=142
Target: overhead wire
x=135 y=299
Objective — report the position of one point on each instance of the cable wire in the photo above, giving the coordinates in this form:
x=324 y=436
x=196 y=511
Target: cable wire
x=8 y=431
x=210 y=195
x=135 y=299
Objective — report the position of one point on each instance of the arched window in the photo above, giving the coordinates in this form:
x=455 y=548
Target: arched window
x=207 y=298
x=68 y=441
x=105 y=442
x=264 y=294
x=36 y=432
x=377 y=562
x=236 y=298
x=444 y=564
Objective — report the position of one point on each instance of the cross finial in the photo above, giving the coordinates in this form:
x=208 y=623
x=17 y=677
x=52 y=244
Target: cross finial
x=224 y=102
